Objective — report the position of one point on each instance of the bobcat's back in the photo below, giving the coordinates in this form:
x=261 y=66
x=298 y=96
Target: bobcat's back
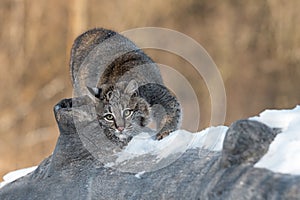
x=101 y=56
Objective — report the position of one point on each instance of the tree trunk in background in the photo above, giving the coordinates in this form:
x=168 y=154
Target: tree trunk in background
x=78 y=16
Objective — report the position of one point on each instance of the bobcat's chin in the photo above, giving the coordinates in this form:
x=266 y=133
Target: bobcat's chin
x=123 y=136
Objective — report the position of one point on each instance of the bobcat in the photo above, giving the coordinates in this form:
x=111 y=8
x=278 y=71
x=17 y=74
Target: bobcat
x=125 y=83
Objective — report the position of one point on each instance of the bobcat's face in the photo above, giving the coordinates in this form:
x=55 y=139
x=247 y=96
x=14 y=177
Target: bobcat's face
x=123 y=113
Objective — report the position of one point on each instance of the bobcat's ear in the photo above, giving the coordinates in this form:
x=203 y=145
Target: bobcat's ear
x=96 y=92
x=131 y=87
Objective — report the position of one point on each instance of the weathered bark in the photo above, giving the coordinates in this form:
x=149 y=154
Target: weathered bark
x=73 y=172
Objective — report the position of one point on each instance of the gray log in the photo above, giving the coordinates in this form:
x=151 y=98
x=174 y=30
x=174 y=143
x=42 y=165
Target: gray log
x=73 y=172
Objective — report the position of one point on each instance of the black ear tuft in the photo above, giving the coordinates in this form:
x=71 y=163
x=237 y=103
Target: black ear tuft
x=96 y=92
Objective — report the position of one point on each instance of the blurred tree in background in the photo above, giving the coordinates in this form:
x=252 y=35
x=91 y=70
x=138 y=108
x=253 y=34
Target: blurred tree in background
x=255 y=46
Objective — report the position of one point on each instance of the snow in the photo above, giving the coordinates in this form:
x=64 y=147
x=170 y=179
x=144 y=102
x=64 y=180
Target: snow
x=283 y=155
x=139 y=175
x=14 y=175
x=176 y=143
x=284 y=152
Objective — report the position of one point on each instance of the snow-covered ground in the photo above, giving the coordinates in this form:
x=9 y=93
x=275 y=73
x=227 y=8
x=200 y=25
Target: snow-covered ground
x=283 y=155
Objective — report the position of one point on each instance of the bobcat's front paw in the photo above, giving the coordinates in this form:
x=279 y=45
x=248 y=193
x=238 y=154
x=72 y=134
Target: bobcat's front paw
x=163 y=134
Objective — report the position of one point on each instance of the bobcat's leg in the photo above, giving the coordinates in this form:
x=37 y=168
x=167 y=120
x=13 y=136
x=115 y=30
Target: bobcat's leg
x=166 y=108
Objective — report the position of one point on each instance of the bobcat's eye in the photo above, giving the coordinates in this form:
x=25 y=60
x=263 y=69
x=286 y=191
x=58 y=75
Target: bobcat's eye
x=109 y=117
x=127 y=113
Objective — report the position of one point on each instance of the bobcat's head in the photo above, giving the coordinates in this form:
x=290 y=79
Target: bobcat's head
x=121 y=112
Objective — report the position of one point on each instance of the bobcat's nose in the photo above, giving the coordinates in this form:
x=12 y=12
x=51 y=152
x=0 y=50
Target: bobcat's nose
x=120 y=128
